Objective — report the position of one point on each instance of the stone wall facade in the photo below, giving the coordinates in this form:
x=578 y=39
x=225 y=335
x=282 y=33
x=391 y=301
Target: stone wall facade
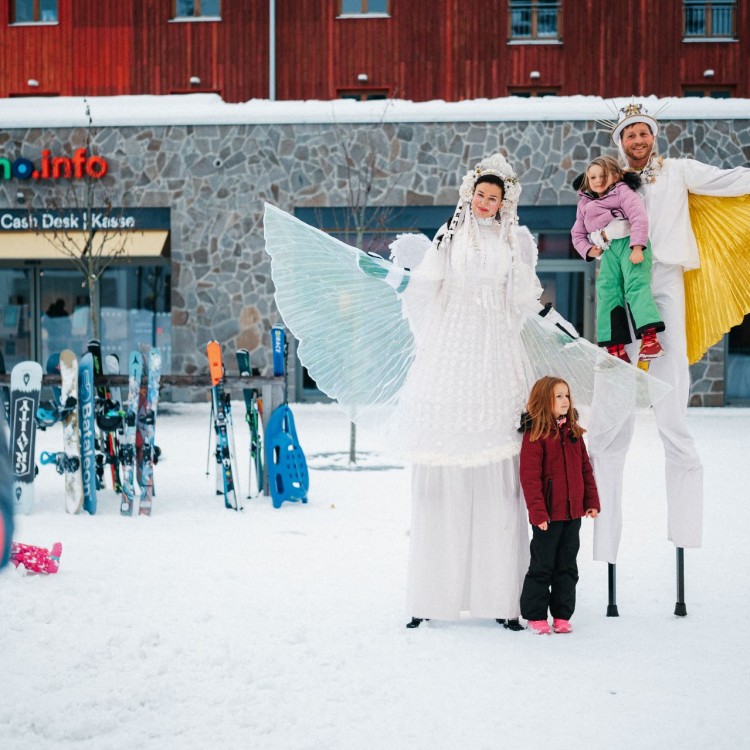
x=215 y=179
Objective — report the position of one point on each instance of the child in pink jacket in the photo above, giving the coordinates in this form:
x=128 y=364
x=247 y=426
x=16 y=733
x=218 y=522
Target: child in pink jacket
x=624 y=281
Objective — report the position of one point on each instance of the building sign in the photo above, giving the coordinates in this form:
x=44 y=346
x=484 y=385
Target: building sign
x=76 y=167
x=82 y=220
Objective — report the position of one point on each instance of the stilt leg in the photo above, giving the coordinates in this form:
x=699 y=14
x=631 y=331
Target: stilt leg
x=679 y=608
x=612 y=586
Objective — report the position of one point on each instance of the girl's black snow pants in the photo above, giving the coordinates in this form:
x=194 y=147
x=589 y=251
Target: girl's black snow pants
x=550 y=584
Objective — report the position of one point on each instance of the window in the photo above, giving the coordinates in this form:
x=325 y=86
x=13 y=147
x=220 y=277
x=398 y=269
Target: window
x=363 y=95
x=34 y=11
x=737 y=374
x=197 y=8
x=363 y=7
x=710 y=19
x=528 y=93
x=713 y=93
x=534 y=19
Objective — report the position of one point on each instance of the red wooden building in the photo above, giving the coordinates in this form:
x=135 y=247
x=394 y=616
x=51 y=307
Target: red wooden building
x=410 y=49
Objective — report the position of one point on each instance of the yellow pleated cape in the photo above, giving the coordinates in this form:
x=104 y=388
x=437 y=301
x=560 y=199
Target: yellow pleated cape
x=717 y=295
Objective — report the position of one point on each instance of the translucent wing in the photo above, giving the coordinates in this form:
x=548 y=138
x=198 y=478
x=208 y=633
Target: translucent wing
x=353 y=337
x=593 y=375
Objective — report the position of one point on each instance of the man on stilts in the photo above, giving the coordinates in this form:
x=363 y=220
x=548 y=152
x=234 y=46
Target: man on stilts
x=665 y=188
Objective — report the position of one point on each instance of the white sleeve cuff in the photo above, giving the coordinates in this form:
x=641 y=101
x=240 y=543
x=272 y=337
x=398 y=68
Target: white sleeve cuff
x=395 y=277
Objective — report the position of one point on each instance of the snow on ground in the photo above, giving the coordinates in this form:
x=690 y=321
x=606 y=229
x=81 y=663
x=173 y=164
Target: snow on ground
x=284 y=628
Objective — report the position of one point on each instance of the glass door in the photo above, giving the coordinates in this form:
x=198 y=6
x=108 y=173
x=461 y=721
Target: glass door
x=64 y=312
x=136 y=311
x=16 y=290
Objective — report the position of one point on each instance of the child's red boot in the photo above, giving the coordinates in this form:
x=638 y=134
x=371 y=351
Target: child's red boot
x=618 y=350
x=650 y=346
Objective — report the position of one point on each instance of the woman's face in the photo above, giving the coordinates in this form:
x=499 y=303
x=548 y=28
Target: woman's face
x=560 y=400
x=486 y=201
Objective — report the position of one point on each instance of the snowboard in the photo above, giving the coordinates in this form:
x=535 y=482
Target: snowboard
x=4 y=390
x=51 y=412
x=71 y=464
x=25 y=387
x=87 y=426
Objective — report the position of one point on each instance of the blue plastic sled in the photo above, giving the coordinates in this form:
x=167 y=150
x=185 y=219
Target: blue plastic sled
x=285 y=462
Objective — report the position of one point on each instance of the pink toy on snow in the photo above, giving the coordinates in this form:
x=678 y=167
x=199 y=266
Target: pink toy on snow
x=36 y=559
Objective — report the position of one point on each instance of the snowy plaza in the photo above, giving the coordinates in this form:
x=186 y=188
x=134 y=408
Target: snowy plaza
x=284 y=628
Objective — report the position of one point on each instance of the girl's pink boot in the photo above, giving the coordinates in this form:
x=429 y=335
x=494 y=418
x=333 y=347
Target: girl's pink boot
x=539 y=626
x=561 y=626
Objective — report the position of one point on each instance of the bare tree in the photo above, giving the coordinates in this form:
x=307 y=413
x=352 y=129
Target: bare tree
x=366 y=176
x=93 y=239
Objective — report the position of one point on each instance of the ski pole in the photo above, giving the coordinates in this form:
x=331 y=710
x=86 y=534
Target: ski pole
x=210 y=427
x=679 y=608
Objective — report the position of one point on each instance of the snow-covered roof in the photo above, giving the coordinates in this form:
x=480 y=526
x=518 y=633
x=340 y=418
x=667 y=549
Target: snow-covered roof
x=210 y=109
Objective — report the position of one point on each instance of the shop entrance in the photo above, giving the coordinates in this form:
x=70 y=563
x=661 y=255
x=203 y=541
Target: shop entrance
x=45 y=310
x=44 y=299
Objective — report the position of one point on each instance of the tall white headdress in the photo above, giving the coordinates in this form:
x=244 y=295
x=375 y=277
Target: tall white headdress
x=498 y=166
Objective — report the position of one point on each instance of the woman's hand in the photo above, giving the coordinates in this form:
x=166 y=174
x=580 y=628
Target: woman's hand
x=592 y=513
x=636 y=254
x=594 y=252
x=543 y=526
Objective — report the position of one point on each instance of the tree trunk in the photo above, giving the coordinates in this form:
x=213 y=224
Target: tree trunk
x=353 y=443
x=93 y=305
x=353 y=427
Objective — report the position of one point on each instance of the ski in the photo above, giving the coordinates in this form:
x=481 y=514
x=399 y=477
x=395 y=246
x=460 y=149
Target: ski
x=253 y=419
x=128 y=452
x=87 y=426
x=146 y=427
x=110 y=419
x=71 y=437
x=221 y=418
x=25 y=387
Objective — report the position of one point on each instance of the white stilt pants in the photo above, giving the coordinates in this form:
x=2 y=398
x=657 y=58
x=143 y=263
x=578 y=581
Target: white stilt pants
x=683 y=468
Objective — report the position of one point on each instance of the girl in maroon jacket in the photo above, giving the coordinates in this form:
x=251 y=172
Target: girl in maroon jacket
x=559 y=487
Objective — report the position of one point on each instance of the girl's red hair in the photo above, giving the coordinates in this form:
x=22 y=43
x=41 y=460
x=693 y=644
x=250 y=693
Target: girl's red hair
x=539 y=408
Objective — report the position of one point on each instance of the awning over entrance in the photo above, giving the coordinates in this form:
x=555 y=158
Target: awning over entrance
x=24 y=246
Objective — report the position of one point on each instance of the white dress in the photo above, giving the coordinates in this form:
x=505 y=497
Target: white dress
x=458 y=415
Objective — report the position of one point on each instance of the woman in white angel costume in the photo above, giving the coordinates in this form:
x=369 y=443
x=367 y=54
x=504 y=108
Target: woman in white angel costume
x=449 y=345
